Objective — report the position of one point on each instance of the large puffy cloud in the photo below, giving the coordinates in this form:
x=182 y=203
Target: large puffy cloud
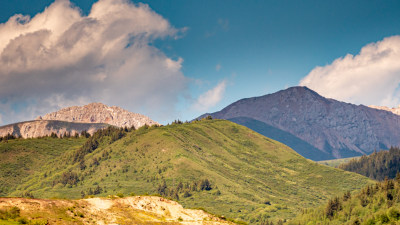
x=60 y=57
x=371 y=77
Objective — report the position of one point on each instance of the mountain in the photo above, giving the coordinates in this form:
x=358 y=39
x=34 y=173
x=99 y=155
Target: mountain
x=41 y=128
x=114 y=210
x=76 y=119
x=316 y=127
x=374 y=204
x=100 y=113
x=220 y=166
x=392 y=110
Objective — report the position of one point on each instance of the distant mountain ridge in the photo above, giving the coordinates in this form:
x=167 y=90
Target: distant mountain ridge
x=100 y=113
x=76 y=119
x=337 y=129
x=41 y=128
x=392 y=110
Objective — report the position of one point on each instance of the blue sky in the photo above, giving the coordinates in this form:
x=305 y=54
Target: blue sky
x=251 y=47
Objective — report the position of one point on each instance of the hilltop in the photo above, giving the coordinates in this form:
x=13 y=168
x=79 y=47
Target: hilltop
x=316 y=127
x=220 y=166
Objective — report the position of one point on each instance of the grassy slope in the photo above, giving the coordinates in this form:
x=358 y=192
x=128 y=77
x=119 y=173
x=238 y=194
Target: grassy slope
x=247 y=168
x=23 y=157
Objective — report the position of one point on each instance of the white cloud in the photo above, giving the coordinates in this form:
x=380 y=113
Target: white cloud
x=371 y=77
x=60 y=57
x=218 y=67
x=211 y=97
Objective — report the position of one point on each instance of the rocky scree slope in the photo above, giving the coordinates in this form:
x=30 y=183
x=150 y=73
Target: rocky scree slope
x=303 y=118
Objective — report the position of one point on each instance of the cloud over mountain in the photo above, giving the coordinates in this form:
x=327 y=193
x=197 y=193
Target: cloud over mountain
x=371 y=77
x=211 y=97
x=60 y=57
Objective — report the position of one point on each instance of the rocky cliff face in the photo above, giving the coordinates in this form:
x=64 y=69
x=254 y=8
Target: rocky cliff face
x=392 y=110
x=335 y=128
x=76 y=119
x=40 y=128
x=100 y=113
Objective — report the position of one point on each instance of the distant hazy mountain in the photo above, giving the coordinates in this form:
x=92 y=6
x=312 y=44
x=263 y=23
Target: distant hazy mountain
x=316 y=127
x=392 y=110
x=76 y=119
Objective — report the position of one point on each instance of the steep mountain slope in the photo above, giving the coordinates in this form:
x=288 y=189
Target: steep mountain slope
x=218 y=165
x=41 y=128
x=100 y=113
x=335 y=128
x=130 y=210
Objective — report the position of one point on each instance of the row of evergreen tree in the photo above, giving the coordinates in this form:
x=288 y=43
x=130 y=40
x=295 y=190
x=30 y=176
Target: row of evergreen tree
x=376 y=166
x=186 y=189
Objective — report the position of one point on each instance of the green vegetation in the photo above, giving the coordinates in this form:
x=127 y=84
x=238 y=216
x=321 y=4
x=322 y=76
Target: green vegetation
x=337 y=162
x=20 y=158
x=225 y=168
x=374 y=204
x=376 y=166
x=12 y=215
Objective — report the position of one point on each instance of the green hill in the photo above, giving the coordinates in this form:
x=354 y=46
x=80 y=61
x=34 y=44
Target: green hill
x=21 y=158
x=374 y=204
x=220 y=166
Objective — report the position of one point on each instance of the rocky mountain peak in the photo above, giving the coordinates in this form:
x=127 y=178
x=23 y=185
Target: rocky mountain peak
x=332 y=127
x=99 y=113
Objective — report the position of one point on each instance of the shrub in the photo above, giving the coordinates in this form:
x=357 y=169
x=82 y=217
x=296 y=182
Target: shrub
x=394 y=214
